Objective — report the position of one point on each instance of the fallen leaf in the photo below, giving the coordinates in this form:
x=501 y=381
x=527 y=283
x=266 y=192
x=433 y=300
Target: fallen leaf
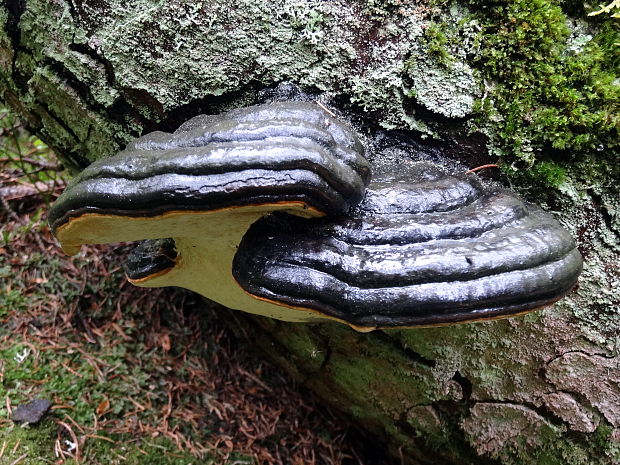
x=103 y=407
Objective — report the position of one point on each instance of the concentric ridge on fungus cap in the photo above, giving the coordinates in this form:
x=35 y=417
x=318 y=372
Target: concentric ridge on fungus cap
x=279 y=152
x=423 y=248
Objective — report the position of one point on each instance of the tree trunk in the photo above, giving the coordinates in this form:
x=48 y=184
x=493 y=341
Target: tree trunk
x=88 y=76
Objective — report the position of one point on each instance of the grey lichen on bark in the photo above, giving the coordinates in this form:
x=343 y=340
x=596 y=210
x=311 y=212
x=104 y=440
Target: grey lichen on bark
x=88 y=76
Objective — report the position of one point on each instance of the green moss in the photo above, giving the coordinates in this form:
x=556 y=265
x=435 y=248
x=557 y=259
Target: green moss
x=436 y=40
x=603 y=442
x=304 y=352
x=380 y=9
x=556 y=450
x=35 y=442
x=6 y=54
x=541 y=175
x=155 y=451
x=552 y=173
x=552 y=91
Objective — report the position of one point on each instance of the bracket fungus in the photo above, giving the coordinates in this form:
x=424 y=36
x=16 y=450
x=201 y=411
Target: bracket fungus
x=424 y=248
x=259 y=209
x=204 y=185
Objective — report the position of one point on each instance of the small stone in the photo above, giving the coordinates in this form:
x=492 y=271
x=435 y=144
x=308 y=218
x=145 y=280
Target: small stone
x=32 y=412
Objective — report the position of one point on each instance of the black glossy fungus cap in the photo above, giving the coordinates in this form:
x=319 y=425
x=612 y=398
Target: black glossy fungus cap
x=193 y=194
x=275 y=153
x=151 y=257
x=423 y=248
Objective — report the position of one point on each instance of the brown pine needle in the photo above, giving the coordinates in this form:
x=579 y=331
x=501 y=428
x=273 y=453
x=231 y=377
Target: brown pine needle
x=478 y=168
x=73 y=438
x=96 y=436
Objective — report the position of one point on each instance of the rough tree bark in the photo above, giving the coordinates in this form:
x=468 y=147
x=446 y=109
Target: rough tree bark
x=89 y=75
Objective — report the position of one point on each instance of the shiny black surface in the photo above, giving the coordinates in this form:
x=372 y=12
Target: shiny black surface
x=284 y=151
x=424 y=247
x=150 y=257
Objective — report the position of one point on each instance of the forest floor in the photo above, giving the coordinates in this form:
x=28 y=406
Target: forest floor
x=134 y=376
